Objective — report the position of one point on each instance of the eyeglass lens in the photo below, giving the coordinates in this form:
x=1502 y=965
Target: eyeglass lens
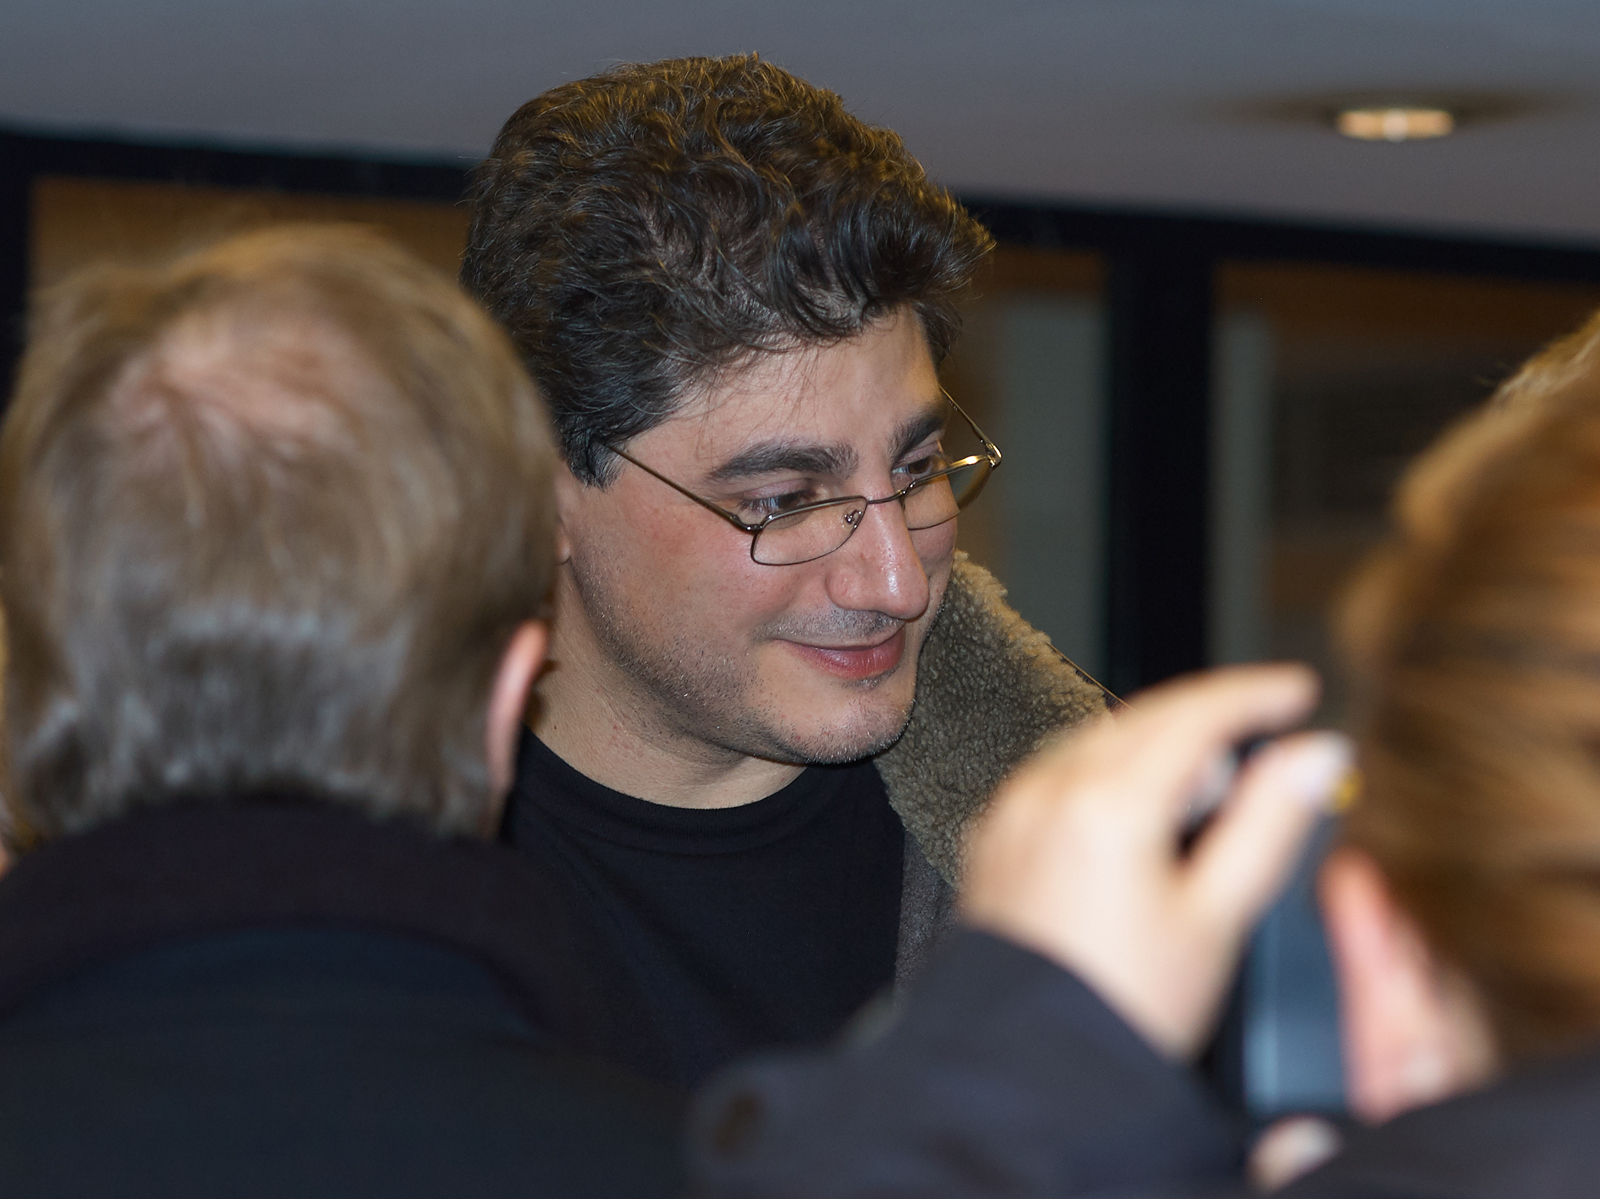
x=789 y=540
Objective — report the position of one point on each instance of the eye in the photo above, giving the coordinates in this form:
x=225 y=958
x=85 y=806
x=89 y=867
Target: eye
x=757 y=507
x=927 y=461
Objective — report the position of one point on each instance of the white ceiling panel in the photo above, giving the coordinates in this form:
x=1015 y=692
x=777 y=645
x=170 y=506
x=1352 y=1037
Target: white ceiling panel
x=1173 y=104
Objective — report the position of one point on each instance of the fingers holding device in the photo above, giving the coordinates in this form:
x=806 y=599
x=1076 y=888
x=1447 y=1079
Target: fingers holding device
x=1103 y=852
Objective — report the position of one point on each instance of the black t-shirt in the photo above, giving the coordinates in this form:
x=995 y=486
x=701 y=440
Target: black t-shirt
x=749 y=927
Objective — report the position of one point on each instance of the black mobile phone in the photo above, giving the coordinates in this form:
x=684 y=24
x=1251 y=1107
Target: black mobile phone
x=1290 y=1048
x=1277 y=1050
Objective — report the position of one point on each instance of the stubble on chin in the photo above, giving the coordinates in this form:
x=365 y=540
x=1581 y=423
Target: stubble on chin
x=683 y=689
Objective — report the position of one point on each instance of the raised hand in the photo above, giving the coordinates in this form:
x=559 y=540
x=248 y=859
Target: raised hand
x=1080 y=858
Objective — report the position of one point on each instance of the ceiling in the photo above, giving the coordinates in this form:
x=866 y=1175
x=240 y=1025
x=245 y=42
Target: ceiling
x=1192 y=105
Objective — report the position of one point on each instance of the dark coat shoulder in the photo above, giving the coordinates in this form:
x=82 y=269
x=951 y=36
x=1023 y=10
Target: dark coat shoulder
x=1004 y=1075
x=287 y=1001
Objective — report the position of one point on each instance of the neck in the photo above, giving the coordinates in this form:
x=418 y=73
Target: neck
x=615 y=738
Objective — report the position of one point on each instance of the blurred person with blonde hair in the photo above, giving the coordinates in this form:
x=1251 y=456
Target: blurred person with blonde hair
x=276 y=535
x=1047 y=1053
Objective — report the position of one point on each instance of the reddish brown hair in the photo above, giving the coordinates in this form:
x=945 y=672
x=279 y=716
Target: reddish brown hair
x=269 y=516
x=1475 y=634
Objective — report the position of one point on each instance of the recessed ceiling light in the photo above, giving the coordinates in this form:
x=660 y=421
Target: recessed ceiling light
x=1394 y=124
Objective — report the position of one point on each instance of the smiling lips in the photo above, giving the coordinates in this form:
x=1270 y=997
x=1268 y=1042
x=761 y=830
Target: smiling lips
x=856 y=661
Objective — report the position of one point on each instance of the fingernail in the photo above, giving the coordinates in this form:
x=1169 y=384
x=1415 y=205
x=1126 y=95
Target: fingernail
x=1293 y=1146
x=1319 y=765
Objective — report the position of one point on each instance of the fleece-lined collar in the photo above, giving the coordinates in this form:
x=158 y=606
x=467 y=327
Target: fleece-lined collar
x=990 y=690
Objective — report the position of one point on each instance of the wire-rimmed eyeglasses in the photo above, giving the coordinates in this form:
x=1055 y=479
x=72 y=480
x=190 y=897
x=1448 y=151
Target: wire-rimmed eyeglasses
x=937 y=490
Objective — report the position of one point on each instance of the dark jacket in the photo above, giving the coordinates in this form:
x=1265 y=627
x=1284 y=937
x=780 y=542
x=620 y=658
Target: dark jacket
x=277 y=999
x=1006 y=1076
x=990 y=690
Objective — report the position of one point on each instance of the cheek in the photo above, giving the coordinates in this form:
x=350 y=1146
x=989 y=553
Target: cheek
x=662 y=547
x=747 y=600
x=936 y=548
x=707 y=581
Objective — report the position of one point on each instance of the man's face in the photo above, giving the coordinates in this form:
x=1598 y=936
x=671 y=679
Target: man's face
x=659 y=600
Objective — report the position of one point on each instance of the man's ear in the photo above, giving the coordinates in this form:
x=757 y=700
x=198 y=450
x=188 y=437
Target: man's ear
x=569 y=491
x=508 y=699
x=1413 y=1030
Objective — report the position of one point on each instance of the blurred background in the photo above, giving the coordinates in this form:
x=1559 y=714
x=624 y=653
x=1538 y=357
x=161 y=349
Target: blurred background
x=1216 y=329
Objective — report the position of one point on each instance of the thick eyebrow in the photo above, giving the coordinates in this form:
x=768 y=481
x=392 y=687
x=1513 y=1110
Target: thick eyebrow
x=772 y=457
x=918 y=429
x=837 y=461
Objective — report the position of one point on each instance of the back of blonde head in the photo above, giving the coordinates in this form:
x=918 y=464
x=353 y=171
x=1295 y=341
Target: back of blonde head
x=269 y=514
x=1475 y=638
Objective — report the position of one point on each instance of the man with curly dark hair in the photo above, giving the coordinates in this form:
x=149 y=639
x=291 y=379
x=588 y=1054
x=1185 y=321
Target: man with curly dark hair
x=778 y=694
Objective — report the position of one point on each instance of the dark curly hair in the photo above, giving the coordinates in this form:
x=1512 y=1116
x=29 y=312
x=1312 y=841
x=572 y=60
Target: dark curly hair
x=639 y=231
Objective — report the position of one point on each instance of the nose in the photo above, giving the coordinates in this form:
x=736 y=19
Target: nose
x=879 y=568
